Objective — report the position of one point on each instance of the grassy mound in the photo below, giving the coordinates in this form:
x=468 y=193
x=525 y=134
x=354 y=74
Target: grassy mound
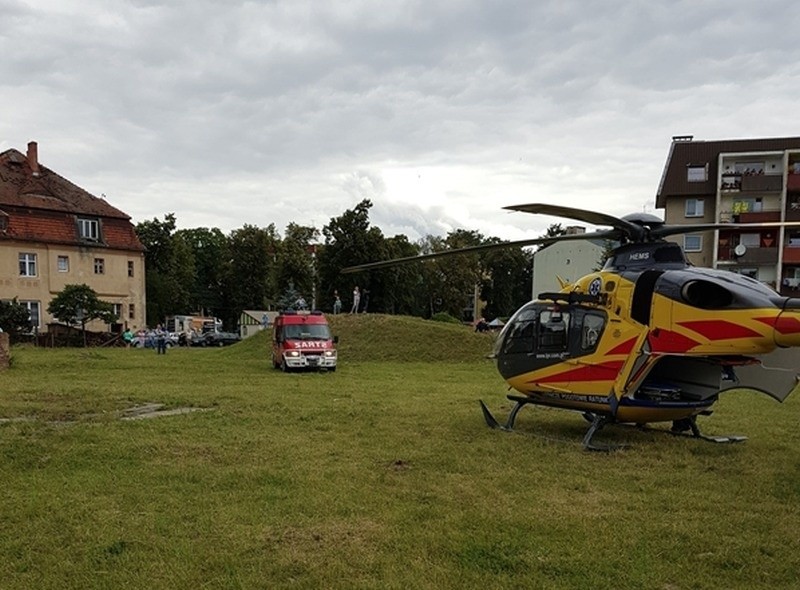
x=378 y=337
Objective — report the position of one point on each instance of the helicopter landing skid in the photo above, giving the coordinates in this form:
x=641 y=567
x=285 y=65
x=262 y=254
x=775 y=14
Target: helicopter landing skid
x=688 y=427
x=598 y=421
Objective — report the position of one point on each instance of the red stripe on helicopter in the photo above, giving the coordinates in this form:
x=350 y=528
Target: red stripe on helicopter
x=623 y=348
x=719 y=329
x=607 y=371
x=783 y=324
x=669 y=341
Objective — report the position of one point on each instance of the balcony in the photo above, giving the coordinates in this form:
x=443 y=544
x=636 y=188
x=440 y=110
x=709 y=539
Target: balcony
x=752 y=256
x=793 y=209
x=758 y=216
x=791 y=255
x=762 y=183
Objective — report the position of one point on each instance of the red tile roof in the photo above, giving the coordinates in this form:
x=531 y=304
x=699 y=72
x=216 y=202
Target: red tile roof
x=44 y=207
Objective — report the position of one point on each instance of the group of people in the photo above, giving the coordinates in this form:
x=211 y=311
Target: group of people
x=159 y=336
x=357 y=297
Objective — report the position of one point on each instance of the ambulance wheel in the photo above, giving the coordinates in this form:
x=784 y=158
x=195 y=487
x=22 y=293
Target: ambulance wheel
x=284 y=367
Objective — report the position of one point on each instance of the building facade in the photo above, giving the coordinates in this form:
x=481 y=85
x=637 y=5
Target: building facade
x=53 y=233
x=737 y=181
x=568 y=260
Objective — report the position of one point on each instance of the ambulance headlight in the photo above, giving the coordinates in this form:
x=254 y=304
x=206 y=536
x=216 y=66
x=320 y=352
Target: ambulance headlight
x=330 y=353
x=293 y=353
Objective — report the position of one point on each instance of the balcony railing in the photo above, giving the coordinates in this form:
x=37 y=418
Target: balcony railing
x=762 y=183
x=752 y=255
x=791 y=255
x=759 y=216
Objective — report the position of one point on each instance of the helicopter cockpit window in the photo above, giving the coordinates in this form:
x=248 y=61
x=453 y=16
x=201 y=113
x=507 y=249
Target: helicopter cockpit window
x=553 y=330
x=592 y=328
x=519 y=338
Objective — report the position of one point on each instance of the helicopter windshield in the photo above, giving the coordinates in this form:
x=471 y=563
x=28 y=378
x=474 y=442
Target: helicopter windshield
x=545 y=329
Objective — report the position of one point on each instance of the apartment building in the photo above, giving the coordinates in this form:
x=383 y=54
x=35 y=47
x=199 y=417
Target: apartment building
x=53 y=233
x=737 y=181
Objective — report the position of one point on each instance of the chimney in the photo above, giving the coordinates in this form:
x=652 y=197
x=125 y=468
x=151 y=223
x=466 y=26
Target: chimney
x=33 y=157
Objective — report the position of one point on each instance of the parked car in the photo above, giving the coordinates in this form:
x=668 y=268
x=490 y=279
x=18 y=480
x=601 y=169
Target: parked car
x=147 y=339
x=213 y=338
x=220 y=338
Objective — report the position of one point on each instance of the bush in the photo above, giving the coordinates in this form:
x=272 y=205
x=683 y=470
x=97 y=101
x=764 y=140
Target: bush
x=445 y=317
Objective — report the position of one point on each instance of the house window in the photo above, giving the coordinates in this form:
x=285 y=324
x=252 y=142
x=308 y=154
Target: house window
x=694 y=207
x=116 y=309
x=697 y=173
x=27 y=264
x=130 y=268
x=693 y=243
x=89 y=229
x=63 y=264
x=131 y=311
x=99 y=266
x=33 y=313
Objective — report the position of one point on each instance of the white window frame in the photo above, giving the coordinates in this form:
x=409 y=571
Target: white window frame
x=688 y=248
x=62 y=262
x=116 y=309
x=99 y=266
x=694 y=208
x=27 y=264
x=36 y=319
x=130 y=268
x=89 y=229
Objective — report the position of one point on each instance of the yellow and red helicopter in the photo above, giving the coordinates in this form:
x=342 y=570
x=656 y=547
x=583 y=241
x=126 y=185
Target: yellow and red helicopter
x=649 y=338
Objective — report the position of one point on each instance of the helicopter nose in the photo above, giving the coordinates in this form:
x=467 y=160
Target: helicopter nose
x=787 y=324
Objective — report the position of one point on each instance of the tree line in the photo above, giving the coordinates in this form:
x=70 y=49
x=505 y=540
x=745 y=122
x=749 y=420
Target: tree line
x=205 y=271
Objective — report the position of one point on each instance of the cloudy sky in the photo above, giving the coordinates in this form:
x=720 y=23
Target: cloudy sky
x=439 y=111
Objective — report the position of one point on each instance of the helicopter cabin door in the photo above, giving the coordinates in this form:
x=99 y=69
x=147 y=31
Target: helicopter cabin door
x=546 y=338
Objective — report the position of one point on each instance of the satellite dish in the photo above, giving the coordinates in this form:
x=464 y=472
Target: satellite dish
x=740 y=250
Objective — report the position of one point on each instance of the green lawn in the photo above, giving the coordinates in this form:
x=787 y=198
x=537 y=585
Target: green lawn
x=381 y=475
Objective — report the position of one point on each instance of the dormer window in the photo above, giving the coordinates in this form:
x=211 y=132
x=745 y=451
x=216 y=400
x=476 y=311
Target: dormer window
x=89 y=229
x=695 y=173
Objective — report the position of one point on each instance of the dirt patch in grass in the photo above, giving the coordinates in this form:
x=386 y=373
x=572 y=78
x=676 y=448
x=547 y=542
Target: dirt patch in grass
x=146 y=411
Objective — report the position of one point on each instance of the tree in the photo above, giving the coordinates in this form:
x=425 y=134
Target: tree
x=211 y=254
x=349 y=240
x=296 y=259
x=169 y=268
x=250 y=283
x=507 y=283
x=554 y=230
x=450 y=281
x=79 y=304
x=14 y=318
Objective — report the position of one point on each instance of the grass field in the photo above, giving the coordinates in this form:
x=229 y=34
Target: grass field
x=381 y=475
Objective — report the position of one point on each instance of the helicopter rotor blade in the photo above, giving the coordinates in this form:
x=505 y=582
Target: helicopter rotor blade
x=631 y=230
x=601 y=235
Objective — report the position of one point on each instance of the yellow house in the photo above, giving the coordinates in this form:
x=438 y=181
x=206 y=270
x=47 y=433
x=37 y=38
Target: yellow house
x=53 y=233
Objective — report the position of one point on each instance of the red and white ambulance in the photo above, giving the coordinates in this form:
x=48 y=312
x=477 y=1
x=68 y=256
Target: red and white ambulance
x=302 y=340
